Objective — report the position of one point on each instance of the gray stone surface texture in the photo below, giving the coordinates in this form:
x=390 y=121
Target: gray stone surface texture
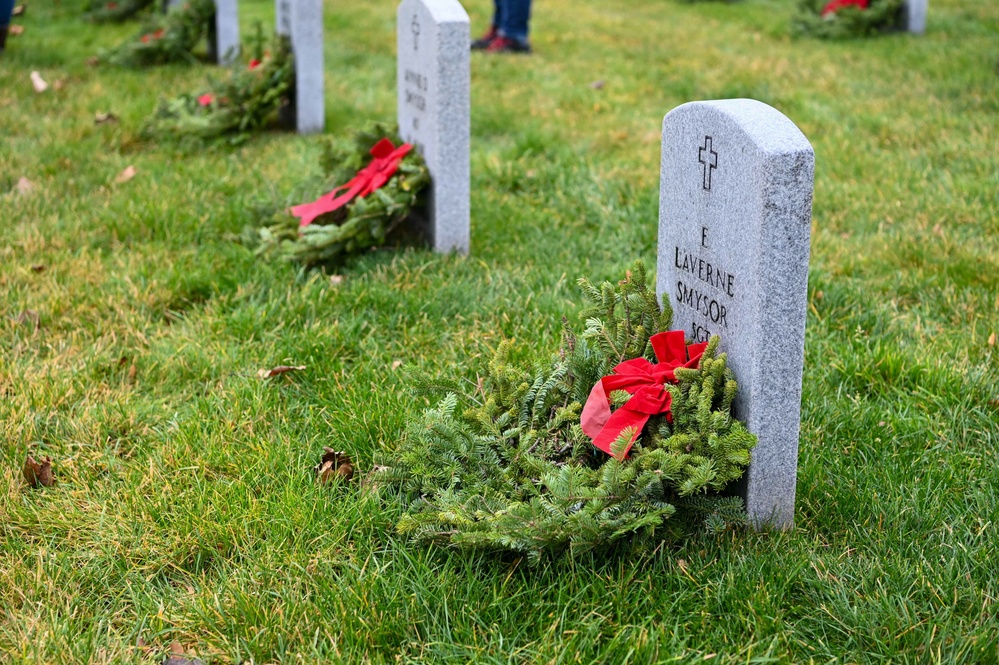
x=735 y=210
x=302 y=22
x=226 y=45
x=434 y=109
x=914 y=15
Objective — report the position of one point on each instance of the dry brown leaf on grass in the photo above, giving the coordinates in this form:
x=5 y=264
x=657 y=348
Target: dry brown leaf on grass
x=59 y=84
x=19 y=10
x=15 y=30
x=38 y=267
x=125 y=175
x=25 y=186
x=38 y=474
x=597 y=85
x=992 y=339
x=177 y=656
x=336 y=280
x=101 y=118
x=38 y=82
x=280 y=369
x=92 y=61
x=396 y=364
x=333 y=465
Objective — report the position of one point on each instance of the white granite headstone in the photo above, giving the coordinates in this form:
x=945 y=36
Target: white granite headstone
x=224 y=43
x=302 y=22
x=914 y=16
x=434 y=75
x=735 y=211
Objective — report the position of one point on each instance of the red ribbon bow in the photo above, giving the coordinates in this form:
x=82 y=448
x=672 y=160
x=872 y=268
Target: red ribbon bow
x=836 y=5
x=645 y=381
x=384 y=165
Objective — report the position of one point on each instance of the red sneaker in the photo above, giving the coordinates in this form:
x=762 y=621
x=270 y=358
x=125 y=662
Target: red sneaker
x=506 y=45
x=483 y=42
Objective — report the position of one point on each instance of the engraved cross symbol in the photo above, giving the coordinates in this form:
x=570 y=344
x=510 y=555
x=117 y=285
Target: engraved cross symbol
x=415 y=25
x=709 y=158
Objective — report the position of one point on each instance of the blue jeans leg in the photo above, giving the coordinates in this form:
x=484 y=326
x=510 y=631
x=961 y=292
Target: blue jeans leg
x=6 y=9
x=516 y=14
x=497 y=14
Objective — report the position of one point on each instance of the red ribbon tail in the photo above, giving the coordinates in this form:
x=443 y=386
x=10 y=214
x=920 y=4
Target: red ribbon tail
x=596 y=411
x=619 y=421
x=308 y=212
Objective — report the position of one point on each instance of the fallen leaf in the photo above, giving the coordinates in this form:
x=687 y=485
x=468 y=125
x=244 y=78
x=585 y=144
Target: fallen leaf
x=25 y=186
x=334 y=464
x=59 y=84
x=396 y=364
x=104 y=118
x=336 y=280
x=125 y=175
x=15 y=30
x=280 y=369
x=92 y=61
x=38 y=474
x=19 y=10
x=597 y=85
x=992 y=339
x=131 y=373
x=176 y=656
x=682 y=564
x=38 y=268
x=938 y=229
x=38 y=82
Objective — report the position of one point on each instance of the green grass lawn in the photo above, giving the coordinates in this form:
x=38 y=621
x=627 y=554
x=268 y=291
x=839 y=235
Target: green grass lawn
x=186 y=507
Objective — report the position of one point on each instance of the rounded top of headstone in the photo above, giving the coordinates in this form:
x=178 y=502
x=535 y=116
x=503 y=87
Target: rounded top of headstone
x=442 y=11
x=765 y=126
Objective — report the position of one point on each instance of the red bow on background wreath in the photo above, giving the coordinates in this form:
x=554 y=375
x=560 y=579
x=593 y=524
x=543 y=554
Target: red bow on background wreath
x=384 y=165
x=837 y=5
x=645 y=381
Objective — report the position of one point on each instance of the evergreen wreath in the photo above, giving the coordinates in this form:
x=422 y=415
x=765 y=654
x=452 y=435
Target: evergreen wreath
x=167 y=39
x=505 y=466
x=116 y=11
x=246 y=101
x=816 y=18
x=365 y=223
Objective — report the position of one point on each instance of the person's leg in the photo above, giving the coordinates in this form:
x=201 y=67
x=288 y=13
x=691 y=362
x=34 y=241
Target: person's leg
x=515 y=19
x=6 y=9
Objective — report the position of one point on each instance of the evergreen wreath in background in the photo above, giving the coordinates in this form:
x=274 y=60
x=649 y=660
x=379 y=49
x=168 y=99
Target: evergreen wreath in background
x=366 y=222
x=845 y=19
x=167 y=39
x=506 y=465
x=246 y=101
x=116 y=11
